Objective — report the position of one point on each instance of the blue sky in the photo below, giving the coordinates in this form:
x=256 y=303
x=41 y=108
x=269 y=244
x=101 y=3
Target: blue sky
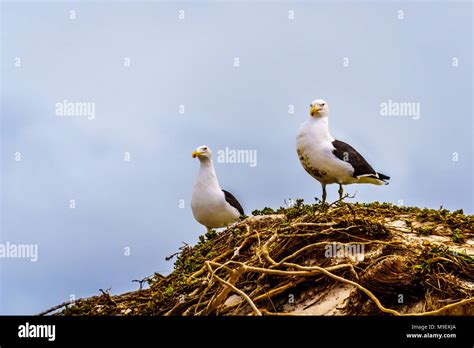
x=190 y=62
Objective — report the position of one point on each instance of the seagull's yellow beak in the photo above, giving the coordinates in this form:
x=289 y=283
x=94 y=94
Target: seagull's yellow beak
x=314 y=110
x=196 y=154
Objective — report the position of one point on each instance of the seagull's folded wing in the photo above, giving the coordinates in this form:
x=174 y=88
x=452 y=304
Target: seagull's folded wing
x=347 y=153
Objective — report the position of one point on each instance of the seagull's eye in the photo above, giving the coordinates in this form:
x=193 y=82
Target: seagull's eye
x=323 y=104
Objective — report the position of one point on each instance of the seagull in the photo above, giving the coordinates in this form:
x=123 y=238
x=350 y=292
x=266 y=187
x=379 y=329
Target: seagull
x=328 y=160
x=212 y=206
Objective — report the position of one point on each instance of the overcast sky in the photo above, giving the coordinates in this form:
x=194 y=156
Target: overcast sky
x=225 y=75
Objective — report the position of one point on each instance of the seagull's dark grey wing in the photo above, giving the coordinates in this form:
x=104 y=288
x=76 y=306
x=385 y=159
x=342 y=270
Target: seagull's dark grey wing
x=229 y=197
x=347 y=153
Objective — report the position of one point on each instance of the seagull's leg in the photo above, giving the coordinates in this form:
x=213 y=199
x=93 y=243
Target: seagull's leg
x=341 y=191
x=324 y=193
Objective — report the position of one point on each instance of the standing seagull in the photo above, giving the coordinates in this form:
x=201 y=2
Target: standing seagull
x=328 y=160
x=212 y=206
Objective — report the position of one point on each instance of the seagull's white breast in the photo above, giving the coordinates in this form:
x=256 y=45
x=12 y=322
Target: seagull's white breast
x=208 y=202
x=315 y=152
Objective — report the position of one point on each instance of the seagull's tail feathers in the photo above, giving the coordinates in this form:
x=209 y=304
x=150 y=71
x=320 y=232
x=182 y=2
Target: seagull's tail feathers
x=384 y=178
x=376 y=179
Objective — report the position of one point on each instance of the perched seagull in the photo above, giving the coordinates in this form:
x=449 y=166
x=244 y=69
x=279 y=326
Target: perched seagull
x=328 y=160
x=212 y=206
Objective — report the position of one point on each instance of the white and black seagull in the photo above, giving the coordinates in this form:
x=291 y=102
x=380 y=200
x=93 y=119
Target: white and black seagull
x=212 y=206
x=328 y=160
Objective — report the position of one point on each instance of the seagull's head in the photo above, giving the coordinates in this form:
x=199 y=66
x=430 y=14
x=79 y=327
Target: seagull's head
x=202 y=152
x=318 y=108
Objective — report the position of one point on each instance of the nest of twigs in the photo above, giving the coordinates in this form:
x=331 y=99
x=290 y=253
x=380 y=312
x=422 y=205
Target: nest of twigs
x=341 y=259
